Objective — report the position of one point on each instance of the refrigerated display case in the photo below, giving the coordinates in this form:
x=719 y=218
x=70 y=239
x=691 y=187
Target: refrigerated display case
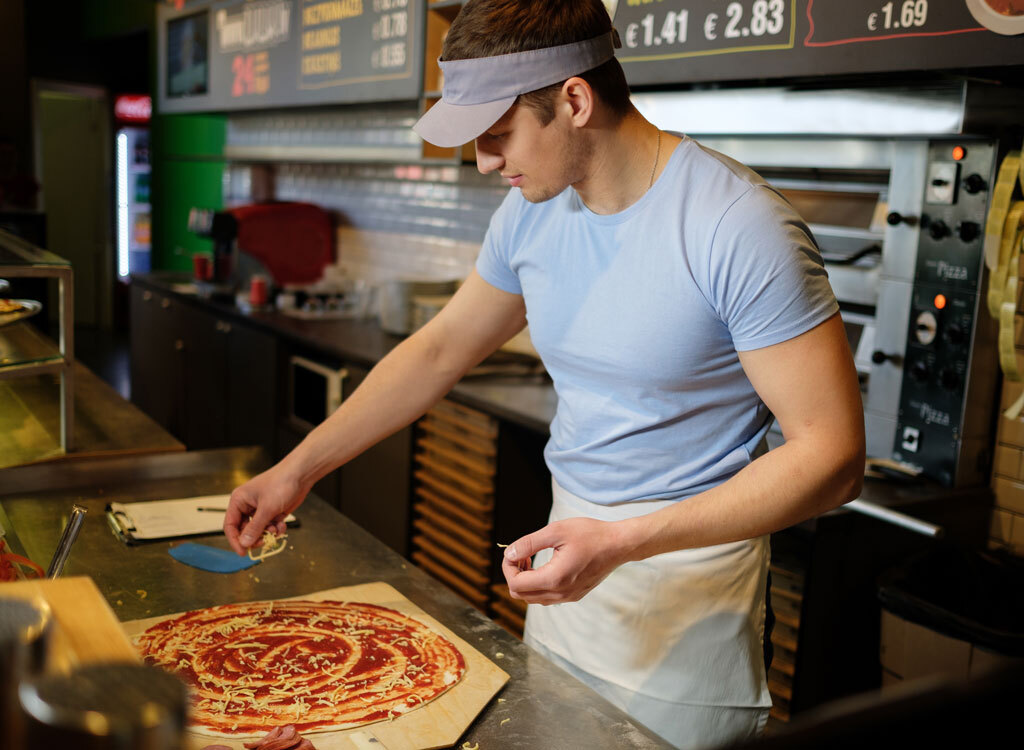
x=132 y=166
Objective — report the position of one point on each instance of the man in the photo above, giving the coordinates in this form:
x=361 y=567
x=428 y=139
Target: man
x=678 y=303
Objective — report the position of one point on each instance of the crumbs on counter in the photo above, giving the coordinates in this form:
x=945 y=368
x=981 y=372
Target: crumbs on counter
x=142 y=593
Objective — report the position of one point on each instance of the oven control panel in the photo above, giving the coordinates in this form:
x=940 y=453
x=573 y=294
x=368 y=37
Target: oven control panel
x=948 y=322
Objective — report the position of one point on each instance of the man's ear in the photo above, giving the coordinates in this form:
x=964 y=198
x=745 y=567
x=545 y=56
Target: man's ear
x=579 y=100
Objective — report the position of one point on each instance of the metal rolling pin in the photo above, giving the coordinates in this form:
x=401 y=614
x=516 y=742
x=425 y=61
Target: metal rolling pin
x=60 y=555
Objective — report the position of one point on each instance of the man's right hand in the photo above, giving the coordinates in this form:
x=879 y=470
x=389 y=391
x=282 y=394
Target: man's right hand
x=261 y=503
x=403 y=385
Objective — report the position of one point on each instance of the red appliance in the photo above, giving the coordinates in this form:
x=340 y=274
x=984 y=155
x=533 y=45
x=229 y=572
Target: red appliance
x=293 y=241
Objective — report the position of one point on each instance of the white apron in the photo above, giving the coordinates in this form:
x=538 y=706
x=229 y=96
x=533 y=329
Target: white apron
x=683 y=627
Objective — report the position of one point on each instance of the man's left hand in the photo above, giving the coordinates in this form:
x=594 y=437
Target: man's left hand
x=585 y=552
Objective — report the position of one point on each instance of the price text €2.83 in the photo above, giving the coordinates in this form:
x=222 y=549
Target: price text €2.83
x=755 y=20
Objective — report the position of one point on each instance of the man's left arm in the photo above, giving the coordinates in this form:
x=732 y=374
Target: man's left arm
x=810 y=384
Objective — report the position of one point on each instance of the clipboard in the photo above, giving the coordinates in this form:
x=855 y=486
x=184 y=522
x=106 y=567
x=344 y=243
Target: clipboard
x=161 y=520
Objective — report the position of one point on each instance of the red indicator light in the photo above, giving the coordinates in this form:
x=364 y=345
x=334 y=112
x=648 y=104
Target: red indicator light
x=940 y=301
x=959 y=152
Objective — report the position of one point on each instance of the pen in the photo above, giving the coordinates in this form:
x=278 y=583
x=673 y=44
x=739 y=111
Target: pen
x=213 y=510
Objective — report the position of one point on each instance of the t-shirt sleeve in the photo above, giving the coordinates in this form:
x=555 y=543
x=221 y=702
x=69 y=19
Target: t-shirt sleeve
x=494 y=263
x=768 y=282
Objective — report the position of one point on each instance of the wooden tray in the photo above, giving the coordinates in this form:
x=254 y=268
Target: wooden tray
x=438 y=724
x=85 y=629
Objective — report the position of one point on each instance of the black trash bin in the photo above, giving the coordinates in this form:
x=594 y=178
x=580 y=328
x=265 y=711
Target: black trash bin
x=969 y=595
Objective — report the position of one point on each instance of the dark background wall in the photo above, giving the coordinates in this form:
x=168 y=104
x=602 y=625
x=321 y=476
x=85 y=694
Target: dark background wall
x=108 y=44
x=102 y=43
x=14 y=114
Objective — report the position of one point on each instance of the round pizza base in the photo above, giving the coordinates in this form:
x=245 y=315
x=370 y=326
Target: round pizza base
x=316 y=645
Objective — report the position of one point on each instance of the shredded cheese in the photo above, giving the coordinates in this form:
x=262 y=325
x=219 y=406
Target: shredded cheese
x=271 y=544
x=237 y=660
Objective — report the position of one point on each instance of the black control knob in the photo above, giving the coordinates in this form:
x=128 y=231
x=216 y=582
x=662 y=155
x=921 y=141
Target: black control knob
x=949 y=379
x=920 y=372
x=895 y=218
x=878 y=357
x=968 y=231
x=955 y=334
x=975 y=183
x=938 y=229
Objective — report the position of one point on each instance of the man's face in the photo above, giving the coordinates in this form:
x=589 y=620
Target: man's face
x=540 y=160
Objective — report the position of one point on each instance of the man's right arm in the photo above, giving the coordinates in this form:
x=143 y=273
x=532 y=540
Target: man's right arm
x=408 y=381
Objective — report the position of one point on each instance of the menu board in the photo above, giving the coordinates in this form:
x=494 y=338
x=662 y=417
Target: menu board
x=218 y=55
x=682 y=41
x=254 y=54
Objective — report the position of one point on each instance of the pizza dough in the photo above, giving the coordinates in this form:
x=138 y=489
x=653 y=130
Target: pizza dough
x=317 y=665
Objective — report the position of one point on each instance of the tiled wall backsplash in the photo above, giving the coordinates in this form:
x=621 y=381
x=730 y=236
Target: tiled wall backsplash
x=386 y=125
x=395 y=218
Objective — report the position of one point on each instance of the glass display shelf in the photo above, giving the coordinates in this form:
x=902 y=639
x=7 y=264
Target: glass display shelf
x=24 y=350
x=16 y=252
x=21 y=345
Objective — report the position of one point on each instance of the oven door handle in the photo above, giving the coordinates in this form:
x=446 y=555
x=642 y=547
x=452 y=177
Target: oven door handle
x=334 y=394
x=849 y=260
x=895 y=517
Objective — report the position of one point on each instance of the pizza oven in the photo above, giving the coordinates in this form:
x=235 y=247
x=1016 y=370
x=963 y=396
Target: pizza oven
x=896 y=185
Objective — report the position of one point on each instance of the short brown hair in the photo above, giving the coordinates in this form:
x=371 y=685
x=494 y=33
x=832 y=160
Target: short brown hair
x=485 y=28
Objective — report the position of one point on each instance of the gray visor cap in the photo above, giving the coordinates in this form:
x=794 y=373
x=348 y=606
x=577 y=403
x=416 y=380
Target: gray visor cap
x=478 y=91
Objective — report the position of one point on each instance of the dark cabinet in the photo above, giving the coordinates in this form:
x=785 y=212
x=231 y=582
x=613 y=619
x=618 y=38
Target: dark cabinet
x=210 y=381
x=206 y=380
x=157 y=358
x=825 y=583
x=230 y=382
x=252 y=387
x=375 y=485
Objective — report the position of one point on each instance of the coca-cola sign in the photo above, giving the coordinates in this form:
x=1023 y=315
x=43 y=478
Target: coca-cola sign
x=133 y=108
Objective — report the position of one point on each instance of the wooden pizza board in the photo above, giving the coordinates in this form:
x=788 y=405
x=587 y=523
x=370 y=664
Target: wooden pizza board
x=438 y=724
x=85 y=629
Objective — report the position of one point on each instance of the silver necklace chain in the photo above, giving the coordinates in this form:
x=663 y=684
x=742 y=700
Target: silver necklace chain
x=657 y=156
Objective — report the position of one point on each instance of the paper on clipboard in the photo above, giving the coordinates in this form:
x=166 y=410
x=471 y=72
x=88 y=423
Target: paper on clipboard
x=162 y=519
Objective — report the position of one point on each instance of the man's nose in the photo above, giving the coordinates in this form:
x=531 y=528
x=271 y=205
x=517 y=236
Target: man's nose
x=487 y=160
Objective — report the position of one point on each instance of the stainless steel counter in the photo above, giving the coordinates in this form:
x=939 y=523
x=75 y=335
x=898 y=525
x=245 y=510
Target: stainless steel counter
x=547 y=707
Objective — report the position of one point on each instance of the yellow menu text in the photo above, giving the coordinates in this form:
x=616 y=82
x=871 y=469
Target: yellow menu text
x=328 y=62
x=334 y=10
x=329 y=36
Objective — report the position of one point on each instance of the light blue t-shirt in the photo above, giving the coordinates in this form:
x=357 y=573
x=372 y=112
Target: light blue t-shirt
x=638 y=316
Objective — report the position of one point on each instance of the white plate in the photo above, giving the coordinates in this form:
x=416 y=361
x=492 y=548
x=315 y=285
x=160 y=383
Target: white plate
x=4 y=284
x=993 y=20
x=30 y=308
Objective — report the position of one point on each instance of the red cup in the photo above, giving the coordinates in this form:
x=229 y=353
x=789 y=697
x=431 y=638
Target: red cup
x=257 y=291
x=201 y=267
